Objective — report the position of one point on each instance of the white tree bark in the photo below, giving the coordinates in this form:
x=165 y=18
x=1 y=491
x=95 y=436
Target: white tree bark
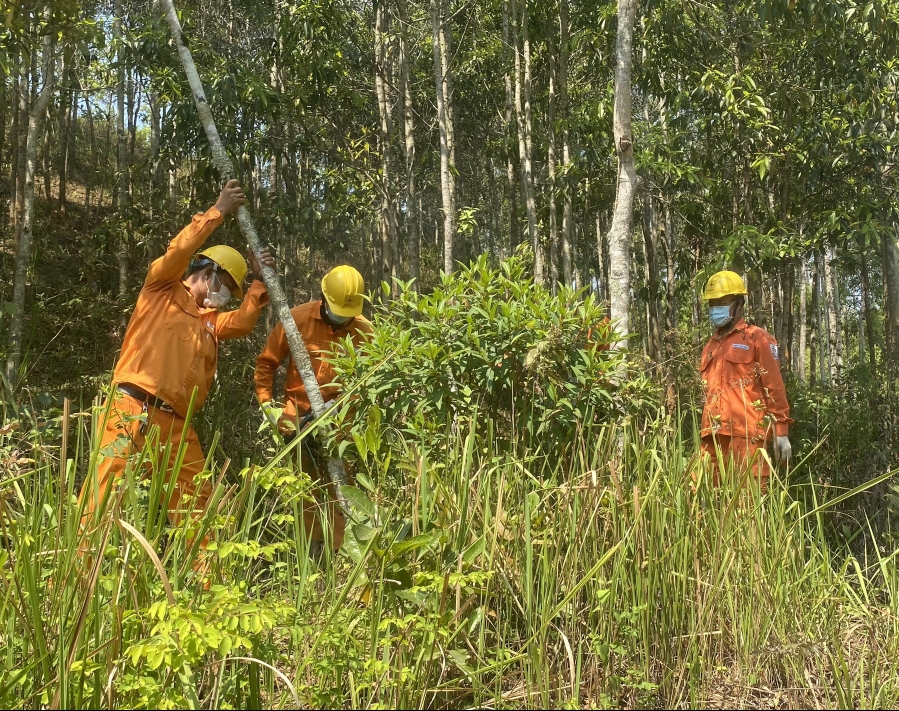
x=272 y=284
x=444 y=120
x=567 y=219
x=26 y=236
x=803 y=323
x=523 y=115
x=620 y=231
x=413 y=224
x=834 y=329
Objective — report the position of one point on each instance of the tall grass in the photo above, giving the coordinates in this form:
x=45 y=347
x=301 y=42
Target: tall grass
x=611 y=576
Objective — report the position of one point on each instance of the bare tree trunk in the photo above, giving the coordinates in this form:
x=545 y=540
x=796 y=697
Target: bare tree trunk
x=121 y=161
x=651 y=280
x=69 y=119
x=620 y=231
x=890 y=260
x=834 y=328
x=523 y=115
x=413 y=224
x=803 y=324
x=23 y=251
x=92 y=138
x=866 y=306
x=551 y=168
x=567 y=219
x=444 y=119
x=154 y=153
x=14 y=153
x=21 y=141
x=272 y=284
x=511 y=192
x=387 y=217
x=670 y=243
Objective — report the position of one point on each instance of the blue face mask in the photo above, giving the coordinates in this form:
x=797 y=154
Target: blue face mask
x=720 y=315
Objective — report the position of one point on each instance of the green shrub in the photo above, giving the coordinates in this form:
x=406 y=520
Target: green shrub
x=533 y=365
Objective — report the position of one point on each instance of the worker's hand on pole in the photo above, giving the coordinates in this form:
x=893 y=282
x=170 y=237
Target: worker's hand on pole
x=266 y=260
x=230 y=198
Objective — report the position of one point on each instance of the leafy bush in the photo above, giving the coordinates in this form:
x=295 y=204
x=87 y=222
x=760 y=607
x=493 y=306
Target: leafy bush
x=531 y=364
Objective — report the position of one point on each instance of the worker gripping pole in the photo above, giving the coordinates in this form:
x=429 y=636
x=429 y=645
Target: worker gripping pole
x=272 y=283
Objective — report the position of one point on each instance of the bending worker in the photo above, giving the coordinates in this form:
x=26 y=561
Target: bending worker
x=321 y=324
x=746 y=404
x=169 y=356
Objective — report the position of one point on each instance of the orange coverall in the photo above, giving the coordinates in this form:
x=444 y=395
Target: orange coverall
x=319 y=337
x=745 y=399
x=170 y=349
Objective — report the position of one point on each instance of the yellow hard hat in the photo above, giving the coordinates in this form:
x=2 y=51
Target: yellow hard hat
x=231 y=261
x=343 y=288
x=724 y=284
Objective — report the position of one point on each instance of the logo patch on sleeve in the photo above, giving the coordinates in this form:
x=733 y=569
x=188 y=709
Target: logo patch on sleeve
x=775 y=352
x=741 y=346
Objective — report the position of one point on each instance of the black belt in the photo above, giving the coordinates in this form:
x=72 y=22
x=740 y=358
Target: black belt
x=146 y=398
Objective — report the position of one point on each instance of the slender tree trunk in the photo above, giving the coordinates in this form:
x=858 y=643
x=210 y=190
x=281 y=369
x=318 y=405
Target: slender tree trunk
x=69 y=118
x=387 y=217
x=4 y=95
x=154 y=153
x=551 y=167
x=834 y=326
x=651 y=279
x=803 y=324
x=567 y=218
x=225 y=167
x=511 y=192
x=523 y=113
x=21 y=141
x=92 y=139
x=23 y=251
x=45 y=161
x=121 y=161
x=866 y=306
x=670 y=243
x=620 y=231
x=413 y=225
x=444 y=120
x=890 y=260
x=14 y=154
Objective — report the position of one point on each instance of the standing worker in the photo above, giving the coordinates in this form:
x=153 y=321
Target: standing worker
x=746 y=404
x=321 y=324
x=169 y=356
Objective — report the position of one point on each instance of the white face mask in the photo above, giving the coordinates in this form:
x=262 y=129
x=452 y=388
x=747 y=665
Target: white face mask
x=339 y=320
x=217 y=294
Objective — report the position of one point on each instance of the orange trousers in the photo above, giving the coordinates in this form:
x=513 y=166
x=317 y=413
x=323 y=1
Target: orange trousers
x=125 y=434
x=738 y=452
x=325 y=497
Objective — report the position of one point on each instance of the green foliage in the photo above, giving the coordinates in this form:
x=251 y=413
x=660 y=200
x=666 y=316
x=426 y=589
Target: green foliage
x=488 y=341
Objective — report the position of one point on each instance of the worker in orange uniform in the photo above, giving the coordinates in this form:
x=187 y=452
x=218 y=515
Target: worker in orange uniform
x=169 y=357
x=321 y=324
x=746 y=404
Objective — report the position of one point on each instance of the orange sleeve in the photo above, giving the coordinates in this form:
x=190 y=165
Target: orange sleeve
x=773 y=383
x=267 y=362
x=171 y=265
x=240 y=322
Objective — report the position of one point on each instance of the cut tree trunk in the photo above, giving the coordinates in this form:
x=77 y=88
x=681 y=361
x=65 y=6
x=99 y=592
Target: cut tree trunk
x=622 y=218
x=272 y=284
x=23 y=251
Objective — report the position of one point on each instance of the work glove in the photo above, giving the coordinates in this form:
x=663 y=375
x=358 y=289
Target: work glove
x=783 y=450
x=309 y=416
